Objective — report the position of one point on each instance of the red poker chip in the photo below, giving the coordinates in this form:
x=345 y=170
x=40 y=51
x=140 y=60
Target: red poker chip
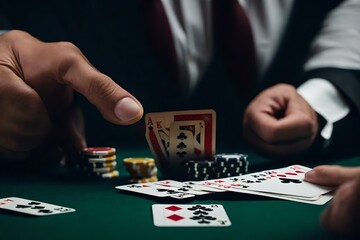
x=99 y=151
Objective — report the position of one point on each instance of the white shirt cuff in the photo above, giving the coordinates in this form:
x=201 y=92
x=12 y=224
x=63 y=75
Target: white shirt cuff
x=326 y=100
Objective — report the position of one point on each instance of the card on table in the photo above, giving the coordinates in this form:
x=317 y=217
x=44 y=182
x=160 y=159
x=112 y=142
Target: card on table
x=284 y=183
x=153 y=189
x=231 y=186
x=187 y=215
x=175 y=137
x=182 y=186
x=288 y=180
x=32 y=207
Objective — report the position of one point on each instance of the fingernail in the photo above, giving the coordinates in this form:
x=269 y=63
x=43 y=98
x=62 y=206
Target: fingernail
x=127 y=109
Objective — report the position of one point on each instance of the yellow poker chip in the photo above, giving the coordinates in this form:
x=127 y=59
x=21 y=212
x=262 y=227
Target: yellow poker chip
x=99 y=151
x=103 y=164
x=143 y=175
x=138 y=160
x=144 y=180
x=103 y=170
x=102 y=160
x=140 y=167
x=112 y=174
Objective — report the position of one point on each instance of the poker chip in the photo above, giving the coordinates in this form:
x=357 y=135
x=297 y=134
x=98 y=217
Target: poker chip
x=104 y=164
x=221 y=166
x=144 y=180
x=97 y=162
x=102 y=159
x=99 y=151
x=200 y=170
x=141 y=169
x=112 y=174
x=104 y=170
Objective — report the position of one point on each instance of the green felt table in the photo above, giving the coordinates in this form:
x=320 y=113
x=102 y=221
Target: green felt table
x=103 y=212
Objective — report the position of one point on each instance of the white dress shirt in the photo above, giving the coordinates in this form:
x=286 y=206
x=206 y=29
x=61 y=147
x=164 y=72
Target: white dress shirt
x=336 y=46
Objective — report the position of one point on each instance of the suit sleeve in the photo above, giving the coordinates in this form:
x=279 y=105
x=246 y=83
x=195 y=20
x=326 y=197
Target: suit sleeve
x=335 y=52
x=335 y=57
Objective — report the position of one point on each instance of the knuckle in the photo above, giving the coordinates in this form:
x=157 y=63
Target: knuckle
x=101 y=89
x=67 y=52
x=285 y=86
x=15 y=34
x=65 y=46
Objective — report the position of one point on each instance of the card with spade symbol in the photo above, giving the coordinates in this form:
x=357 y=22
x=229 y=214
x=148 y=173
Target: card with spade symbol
x=157 y=190
x=174 y=137
x=190 y=215
x=32 y=207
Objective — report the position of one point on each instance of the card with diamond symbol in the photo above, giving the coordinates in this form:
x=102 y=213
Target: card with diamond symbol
x=190 y=215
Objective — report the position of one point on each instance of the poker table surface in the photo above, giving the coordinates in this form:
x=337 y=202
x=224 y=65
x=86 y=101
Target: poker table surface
x=103 y=212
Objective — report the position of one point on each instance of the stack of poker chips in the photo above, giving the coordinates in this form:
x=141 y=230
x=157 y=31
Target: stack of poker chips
x=222 y=166
x=142 y=170
x=200 y=170
x=98 y=162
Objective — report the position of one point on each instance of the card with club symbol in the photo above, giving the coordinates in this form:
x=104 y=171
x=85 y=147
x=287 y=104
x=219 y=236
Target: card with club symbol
x=32 y=207
x=190 y=215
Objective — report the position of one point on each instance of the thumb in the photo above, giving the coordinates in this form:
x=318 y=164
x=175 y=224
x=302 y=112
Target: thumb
x=115 y=104
x=331 y=175
x=48 y=67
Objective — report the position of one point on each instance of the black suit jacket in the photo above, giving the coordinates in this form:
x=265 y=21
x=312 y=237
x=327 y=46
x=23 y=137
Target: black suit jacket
x=112 y=35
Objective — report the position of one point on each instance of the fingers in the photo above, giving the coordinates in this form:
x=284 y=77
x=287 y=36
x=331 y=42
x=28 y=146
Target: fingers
x=279 y=122
x=331 y=175
x=24 y=121
x=342 y=215
x=51 y=67
x=115 y=104
x=289 y=128
x=279 y=149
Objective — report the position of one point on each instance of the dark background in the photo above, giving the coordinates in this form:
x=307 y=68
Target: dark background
x=112 y=35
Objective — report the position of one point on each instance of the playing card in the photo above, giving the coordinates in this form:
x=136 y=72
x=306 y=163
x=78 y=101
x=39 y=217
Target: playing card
x=208 y=117
x=153 y=189
x=157 y=135
x=186 y=141
x=289 y=181
x=175 y=136
x=231 y=184
x=182 y=187
x=32 y=207
x=197 y=186
x=299 y=191
x=187 y=215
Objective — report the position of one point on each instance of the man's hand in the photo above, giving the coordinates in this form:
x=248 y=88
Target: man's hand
x=343 y=214
x=37 y=80
x=279 y=122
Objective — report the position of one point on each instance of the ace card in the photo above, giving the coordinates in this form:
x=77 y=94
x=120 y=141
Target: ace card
x=175 y=137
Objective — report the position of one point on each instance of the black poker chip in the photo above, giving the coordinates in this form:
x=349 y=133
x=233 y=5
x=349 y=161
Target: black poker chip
x=221 y=166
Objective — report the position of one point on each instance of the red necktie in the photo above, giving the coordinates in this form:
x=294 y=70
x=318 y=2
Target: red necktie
x=234 y=35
